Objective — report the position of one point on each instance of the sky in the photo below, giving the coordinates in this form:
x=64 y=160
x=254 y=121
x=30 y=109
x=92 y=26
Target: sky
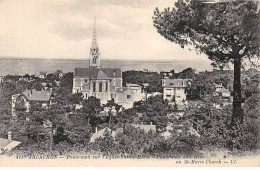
x=62 y=29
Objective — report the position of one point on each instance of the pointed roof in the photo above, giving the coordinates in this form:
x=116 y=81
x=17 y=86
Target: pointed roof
x=94 y=40
x=90 y=72
x=146 y=128
x=99 y=74
x=34 y=95
x=7 y=144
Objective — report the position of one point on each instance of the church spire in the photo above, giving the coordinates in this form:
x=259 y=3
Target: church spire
x=94 y=40
x=94 y=57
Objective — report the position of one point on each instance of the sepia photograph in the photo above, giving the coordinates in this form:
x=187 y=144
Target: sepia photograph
x=129 y=83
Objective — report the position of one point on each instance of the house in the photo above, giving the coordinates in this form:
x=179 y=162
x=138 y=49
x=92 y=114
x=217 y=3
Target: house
x=146 y=128
x=26 y=98
x=174 y=90
x=191 y=131
x=167 y=134
x=135 y=87
x=42 y=75
x=42 y=97
x=8 y=144
x=103 y=132
x=59 y=73
x=107 y=111
x=153 y=94
x=177 y=112
x=167 y=75
x=46 y=86
x=222 y=96
x=225 y=93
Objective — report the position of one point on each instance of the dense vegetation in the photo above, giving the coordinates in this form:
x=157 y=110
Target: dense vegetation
x=63 y=129
x=226 y=32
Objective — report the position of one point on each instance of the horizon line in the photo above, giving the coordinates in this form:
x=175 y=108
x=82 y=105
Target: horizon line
x=81 y=59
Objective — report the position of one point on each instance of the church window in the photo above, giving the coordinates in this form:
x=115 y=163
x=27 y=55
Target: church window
x=94 y=86
x=100 y=87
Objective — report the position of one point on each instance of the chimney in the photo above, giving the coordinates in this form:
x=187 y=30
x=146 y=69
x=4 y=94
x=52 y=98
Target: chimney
x=151 y=123
x=10 y=135
x=114 y=73
x=142 y=123
x=96 y=129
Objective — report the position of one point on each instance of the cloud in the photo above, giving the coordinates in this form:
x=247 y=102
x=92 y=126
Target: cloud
x=63 y=29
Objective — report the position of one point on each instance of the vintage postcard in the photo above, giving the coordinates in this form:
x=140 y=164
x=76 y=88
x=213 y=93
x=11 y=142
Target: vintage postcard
x=129 y=83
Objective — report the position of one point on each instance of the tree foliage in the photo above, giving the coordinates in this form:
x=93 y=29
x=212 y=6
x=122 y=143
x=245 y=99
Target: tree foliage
x=226 y=32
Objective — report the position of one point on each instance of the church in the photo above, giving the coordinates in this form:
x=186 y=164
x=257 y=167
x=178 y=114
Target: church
x=102 y=83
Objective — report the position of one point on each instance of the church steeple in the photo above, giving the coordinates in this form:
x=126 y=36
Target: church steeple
x=94 y=57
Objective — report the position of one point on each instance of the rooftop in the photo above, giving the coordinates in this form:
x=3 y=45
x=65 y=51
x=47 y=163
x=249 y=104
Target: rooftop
x=175 y=82
x=122 y=89
x=100 y=133
x=101 y=72
x=180 y=107
x=132 y=85
x=8 y=144
x=146 y=128
x=34 y=95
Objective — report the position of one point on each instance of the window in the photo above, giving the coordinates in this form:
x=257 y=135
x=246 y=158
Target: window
x=100 y=87
x=168 y=95
x=106 y=86
x=128 y=96
x=94 y=86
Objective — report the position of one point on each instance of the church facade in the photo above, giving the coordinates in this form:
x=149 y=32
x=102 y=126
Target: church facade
x=102 y=83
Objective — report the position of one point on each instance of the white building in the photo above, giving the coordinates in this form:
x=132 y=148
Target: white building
x=27 y=97
x=174 y=90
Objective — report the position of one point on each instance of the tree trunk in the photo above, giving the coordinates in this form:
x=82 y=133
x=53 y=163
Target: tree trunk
x=88 y=121
x=51 y=139
x=38 y=136
x=109 y=121
x=237 y=116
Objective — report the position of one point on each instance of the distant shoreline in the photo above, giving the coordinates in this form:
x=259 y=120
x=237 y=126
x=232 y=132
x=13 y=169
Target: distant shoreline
x=67 y=59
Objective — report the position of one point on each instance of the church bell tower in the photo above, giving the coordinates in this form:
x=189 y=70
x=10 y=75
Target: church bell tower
x=94 y=57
